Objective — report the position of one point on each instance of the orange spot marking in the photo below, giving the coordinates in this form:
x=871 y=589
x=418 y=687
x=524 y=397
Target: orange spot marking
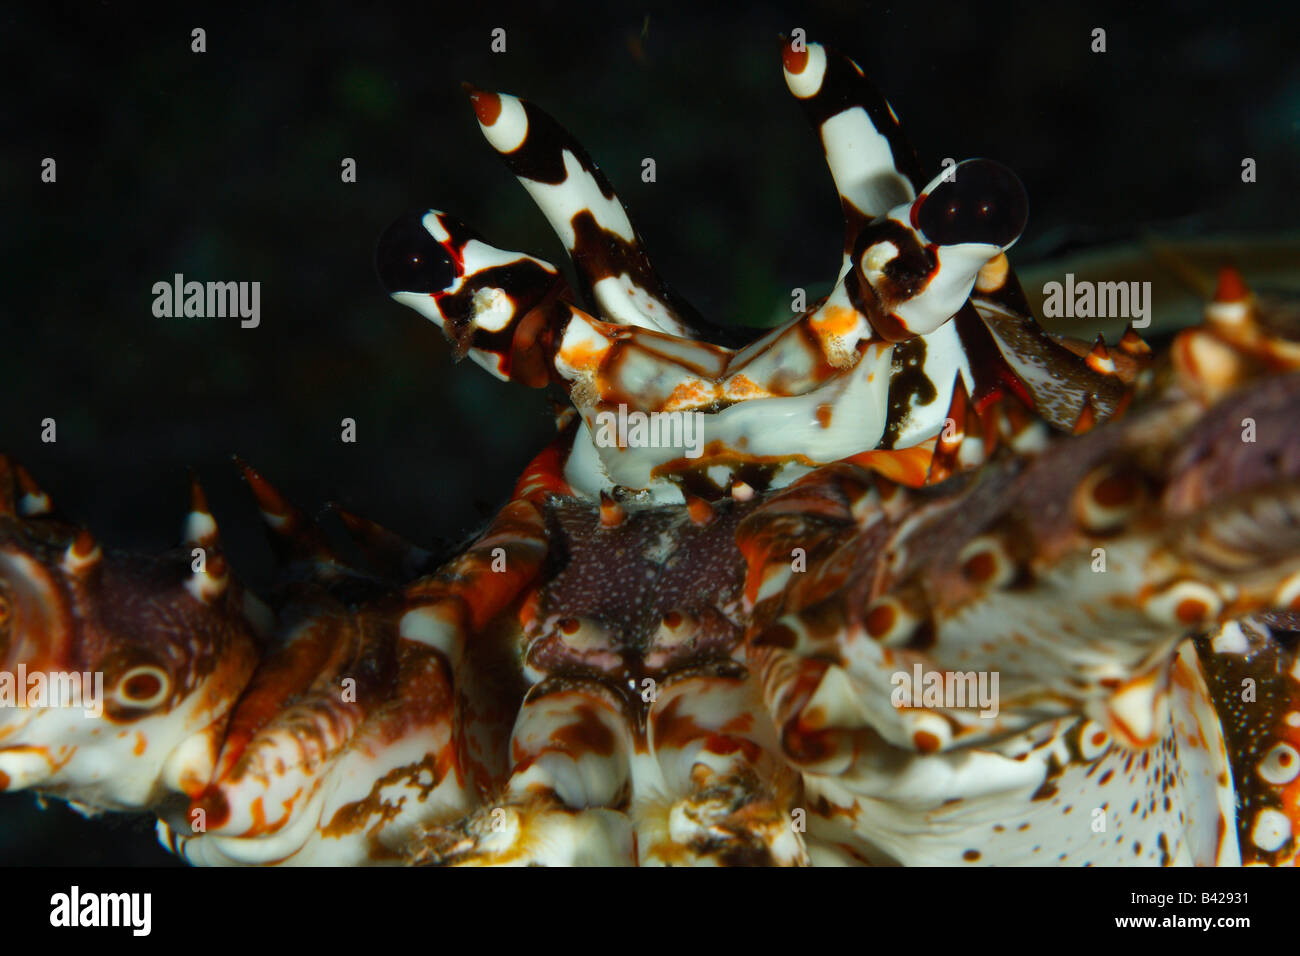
x=687 y=395
x=612 y=513
x=487 y=106
x=140 y=744
x=584 y=356
x=880 y=620
x=926 y=742
x=701 y=511
x=794 y=61
x=824 y=415
x=1231 y=287
x=835 y=320
x=1190 y=610
x=740 y=387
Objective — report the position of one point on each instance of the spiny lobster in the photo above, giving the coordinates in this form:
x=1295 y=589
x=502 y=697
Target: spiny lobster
x=687 y=649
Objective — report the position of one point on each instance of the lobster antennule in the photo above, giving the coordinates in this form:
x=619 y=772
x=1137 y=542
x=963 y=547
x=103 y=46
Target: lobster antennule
x=870 y=158
x=614 y=271
x=581 y=206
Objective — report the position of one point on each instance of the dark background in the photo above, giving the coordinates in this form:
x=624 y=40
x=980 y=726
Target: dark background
x=225 y=166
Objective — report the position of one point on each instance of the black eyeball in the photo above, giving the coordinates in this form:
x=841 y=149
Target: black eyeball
x=408 y=259
x=983 y=202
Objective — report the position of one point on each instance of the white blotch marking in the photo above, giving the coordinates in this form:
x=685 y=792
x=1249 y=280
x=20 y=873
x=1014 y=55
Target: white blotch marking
x=561 y=201
x=199 y=526
x=1280 y=765
x=1227 y=313
x=1288 y=592
x=511 y=127
x=1230 y=639
x=492 y=309
x=807 y=83
x=1271 y=830
x=862 y=163
x=432 y=627
x=875 y=259
x=432 y=223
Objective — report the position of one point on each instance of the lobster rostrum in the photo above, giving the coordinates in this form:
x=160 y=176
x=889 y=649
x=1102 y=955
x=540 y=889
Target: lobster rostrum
x=684 y=645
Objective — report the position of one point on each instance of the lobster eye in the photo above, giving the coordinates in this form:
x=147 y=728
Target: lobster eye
x=409 y=259
x=984 y=202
